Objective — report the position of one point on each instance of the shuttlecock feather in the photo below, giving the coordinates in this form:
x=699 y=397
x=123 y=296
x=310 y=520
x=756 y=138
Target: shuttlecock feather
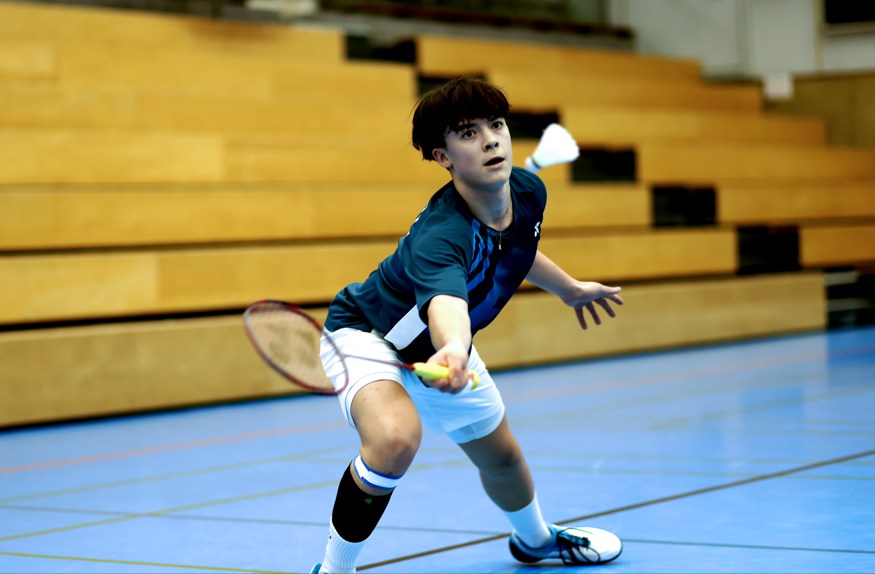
x=556 y=146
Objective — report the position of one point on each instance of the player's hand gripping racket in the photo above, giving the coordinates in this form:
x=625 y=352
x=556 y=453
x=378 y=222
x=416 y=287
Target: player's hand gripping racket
x=288 y=339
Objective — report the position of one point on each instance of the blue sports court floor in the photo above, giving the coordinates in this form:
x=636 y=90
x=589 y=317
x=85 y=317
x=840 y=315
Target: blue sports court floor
x=750 y=457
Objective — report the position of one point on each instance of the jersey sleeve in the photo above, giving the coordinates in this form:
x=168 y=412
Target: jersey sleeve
x=438 y=263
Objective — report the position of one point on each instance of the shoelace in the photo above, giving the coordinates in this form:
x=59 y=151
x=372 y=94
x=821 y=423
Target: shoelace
x=568 y=542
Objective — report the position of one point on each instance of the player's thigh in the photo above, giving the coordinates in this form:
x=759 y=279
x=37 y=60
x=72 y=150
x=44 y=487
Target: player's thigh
x=388 y=425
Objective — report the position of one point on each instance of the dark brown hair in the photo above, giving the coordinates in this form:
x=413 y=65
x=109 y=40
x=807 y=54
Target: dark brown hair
x=440 y=110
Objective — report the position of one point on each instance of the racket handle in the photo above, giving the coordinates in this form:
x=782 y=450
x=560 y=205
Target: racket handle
x=432 y=372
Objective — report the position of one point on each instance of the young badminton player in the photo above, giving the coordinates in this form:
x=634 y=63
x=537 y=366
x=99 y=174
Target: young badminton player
x=465 y=255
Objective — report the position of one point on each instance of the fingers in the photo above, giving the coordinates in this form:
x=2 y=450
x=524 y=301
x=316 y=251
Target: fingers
x=604 y=303
x=452 y=386
x=581 y=318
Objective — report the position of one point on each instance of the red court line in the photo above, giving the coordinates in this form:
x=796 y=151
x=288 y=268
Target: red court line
x=161 y=448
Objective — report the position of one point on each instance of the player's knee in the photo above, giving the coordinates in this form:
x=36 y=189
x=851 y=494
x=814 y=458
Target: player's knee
x=507 y=460
x=397 y=442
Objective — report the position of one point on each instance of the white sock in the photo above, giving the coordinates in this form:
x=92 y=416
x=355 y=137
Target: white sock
x=529 y=525
x=340 y=556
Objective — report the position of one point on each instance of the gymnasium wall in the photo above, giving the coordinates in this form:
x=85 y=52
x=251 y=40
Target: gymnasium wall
x=160 y=172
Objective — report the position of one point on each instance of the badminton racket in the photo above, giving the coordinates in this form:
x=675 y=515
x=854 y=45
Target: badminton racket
x=288 y=339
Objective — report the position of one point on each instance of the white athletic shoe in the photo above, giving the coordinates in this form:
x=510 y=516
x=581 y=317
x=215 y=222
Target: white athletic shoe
x=572 y=545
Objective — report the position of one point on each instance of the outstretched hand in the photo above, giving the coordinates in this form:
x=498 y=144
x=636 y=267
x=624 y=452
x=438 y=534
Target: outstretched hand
x=587 y=295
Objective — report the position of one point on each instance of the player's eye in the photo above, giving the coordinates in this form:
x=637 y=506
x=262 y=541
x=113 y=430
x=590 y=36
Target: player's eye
x=497 y=124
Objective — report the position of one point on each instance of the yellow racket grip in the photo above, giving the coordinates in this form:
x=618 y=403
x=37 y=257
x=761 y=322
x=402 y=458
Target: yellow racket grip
x=432 y=372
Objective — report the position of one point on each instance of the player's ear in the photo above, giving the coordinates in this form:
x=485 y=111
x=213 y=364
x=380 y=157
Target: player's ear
x=441 y=157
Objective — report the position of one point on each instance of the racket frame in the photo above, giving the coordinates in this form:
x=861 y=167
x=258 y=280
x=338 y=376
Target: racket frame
x=425 y=370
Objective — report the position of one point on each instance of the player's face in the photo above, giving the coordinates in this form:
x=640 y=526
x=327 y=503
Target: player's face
x=478 y=153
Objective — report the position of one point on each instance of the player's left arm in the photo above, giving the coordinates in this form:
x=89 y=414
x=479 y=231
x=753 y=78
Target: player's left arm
x=579 y=295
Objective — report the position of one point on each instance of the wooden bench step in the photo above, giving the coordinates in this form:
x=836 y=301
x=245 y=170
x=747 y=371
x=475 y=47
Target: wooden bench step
x=837 y=245
x=131 y=367
x=699 y=163
x=336 y=115
x=111 y=29
x=64 y=286
x=93 y=285
x=764 y=202
x=113 y=156
x=623 y=126
x=548 y=91
x=210 y=75
x=91 y=216
x=444 y=56
x=644 y=254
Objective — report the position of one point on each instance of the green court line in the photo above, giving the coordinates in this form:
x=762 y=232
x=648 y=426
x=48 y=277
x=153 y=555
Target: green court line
x=159 y=513
x=635 y=506
x=751 y=546
x=138 y=563
x=168 y=476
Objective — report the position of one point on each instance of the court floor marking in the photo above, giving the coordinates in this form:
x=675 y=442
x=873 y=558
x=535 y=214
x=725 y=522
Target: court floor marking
x=751 y=546
x=169 y=447
x=300 y=457
x=138 y=563
x=653 y=502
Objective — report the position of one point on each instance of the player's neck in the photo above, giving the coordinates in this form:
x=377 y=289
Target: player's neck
x=492 y=208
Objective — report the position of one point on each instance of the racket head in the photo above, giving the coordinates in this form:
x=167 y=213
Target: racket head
x=288 y=340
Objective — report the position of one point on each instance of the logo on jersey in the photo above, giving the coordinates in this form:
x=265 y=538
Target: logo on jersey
x=538 y=229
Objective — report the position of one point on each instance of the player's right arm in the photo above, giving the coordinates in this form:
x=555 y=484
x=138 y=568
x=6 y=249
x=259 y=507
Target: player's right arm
x=450 y=328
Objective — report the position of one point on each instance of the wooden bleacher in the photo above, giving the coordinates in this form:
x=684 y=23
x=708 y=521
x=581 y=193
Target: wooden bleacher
x=169 y=170
x=626 y=126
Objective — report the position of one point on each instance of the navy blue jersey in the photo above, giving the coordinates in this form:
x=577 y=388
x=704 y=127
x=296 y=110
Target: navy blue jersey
x=446 y=252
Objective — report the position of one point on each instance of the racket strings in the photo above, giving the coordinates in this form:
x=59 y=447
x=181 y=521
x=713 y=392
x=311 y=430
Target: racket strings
x=292 y=342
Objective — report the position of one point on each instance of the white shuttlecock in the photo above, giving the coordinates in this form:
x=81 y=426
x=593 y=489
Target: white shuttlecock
x=556 y=146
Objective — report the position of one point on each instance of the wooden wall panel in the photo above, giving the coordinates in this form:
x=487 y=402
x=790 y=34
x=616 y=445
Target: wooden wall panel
x=842 y=99
x=58 y=374
x=541 y=329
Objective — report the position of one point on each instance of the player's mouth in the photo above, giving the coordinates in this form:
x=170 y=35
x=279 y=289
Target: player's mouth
x=494 y=162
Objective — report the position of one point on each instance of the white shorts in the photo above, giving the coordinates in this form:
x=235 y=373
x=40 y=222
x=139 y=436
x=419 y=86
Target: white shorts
x=463 y=417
